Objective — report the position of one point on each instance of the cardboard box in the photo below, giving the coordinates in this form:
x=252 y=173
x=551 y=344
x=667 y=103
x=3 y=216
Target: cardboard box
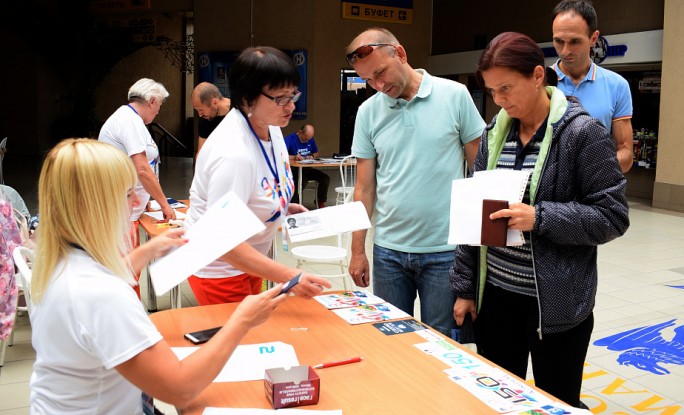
x=300 y=385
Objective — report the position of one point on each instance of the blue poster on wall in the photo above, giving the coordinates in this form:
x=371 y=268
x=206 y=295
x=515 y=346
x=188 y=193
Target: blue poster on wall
x=214 y=67
x=300 y=58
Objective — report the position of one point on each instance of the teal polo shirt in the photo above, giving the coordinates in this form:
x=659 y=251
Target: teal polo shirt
x=418 y=145
x=603 y=93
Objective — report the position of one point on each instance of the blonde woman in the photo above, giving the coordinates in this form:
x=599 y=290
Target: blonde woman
x=96 y=349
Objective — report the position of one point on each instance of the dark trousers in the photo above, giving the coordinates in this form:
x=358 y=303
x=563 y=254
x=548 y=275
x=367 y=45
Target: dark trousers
x=506 y=333
x=315 y=175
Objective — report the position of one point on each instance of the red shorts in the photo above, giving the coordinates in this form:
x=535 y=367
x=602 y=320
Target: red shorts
x=224 y=290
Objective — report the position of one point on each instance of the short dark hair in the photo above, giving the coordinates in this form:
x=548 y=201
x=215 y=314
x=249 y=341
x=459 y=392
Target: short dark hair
x=514 y=51
x=583 y=8
x=259 y=67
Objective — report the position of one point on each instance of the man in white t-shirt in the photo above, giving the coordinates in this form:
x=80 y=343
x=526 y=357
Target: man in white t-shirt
x=126 y=129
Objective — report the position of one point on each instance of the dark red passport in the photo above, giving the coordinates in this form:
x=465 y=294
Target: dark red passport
x=493 y=231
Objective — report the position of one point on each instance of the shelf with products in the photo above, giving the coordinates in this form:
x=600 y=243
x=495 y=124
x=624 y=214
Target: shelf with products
x=645 y=147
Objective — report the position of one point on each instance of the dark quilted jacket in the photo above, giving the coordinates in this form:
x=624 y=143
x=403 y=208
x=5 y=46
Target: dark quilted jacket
x=579 y=197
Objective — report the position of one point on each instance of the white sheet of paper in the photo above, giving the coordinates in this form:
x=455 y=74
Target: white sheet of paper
x=332 y=220
x=225 y=225
x=466 y=203
x=250 y=361
x=159 y=215
x=256 y=411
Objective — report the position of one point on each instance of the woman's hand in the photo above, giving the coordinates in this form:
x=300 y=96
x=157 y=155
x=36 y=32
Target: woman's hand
x=255 y=309
x=310 y=286
x=160 y=244
x=463 y=307
x=294 y=208
x=521 y=216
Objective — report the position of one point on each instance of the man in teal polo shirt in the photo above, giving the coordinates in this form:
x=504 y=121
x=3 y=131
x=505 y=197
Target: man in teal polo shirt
x=603 y=93
x=410 y=141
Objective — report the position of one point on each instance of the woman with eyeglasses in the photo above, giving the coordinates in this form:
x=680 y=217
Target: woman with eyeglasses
x=537 y=299
x=246 y=154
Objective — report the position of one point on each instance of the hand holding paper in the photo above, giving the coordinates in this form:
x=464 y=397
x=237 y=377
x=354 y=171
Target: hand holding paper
x=227 y=223
x=467 y=196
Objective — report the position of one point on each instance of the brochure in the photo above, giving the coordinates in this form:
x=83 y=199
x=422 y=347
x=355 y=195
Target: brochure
x=348 y=299
x=370 y=313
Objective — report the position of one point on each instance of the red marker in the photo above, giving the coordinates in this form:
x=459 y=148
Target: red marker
x=338 y=363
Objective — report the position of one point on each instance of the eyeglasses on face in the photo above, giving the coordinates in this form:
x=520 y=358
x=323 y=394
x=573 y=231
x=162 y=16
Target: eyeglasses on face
x=282 y=101
x=363 y=51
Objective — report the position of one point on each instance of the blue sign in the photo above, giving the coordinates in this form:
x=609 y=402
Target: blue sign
x=646 y=349
x=214 y=67
x=300 y=57
x=599 y=52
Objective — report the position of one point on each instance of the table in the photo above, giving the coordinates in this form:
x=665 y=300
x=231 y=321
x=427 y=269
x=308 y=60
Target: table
x=394 y=377
x=336 y=164
x=148 y=229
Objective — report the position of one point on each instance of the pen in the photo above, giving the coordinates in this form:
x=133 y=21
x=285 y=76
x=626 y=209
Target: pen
x=338 y=363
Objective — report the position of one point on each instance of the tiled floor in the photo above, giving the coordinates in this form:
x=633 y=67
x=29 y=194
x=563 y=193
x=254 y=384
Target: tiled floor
x=641 y=284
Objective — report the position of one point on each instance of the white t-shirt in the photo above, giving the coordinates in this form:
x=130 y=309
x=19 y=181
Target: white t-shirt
x=232 y=160
x=127 y=132
x=89 y=322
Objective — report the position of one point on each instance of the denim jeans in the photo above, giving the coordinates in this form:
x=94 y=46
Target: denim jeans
x=397 y=276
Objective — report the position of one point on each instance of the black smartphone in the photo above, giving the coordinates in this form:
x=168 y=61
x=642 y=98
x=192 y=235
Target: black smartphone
x=288 y=285
x=201 y=336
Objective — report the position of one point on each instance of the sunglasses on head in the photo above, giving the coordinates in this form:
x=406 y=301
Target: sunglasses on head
x=363 y=51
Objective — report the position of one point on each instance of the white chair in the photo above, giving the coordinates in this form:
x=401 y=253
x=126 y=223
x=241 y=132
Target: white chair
x=335 y=255
x=3 y=149
x=24 y=260
x=345 y=193
x=312 y=185
x=307 y=255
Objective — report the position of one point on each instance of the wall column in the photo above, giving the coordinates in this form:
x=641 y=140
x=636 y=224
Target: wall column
x=668 y=190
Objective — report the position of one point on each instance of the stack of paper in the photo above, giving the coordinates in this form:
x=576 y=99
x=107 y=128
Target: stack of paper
x=159 y=215
x=358 y=307
x=348 y=299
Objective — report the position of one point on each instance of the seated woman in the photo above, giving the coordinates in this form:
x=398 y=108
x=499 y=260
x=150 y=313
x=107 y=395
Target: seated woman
x=97 y=352
x=537 y=299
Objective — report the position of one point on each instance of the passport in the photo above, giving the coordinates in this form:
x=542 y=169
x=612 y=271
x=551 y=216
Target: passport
x=493 y=232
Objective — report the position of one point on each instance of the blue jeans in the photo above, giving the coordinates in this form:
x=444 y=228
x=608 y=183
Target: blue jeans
x=398 y=275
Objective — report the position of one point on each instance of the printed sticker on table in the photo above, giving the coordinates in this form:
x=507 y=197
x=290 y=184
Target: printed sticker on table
x=398 y=327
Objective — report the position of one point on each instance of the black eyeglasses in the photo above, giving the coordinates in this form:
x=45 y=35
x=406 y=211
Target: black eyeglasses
x=363 y=51
x=282 y=101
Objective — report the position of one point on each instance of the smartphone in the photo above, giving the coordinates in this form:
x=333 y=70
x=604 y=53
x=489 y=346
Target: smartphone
x=201 y=336
x=288 y=285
